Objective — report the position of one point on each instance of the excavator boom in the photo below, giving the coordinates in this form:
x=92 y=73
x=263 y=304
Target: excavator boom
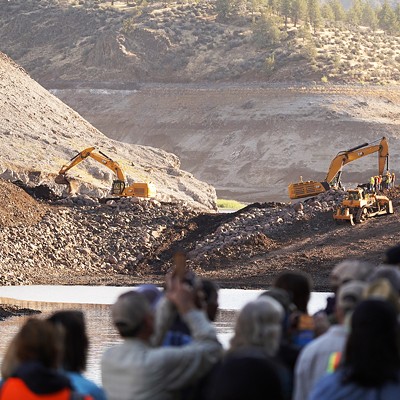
x=332 y=179
x=346 y=157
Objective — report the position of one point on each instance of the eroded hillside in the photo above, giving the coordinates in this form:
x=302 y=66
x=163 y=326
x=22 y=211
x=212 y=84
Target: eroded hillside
x=39 y=133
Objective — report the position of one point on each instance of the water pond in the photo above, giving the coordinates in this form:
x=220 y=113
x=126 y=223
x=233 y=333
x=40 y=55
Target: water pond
x=95 y=302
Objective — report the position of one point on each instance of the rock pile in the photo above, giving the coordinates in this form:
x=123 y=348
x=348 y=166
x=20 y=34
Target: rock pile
x=258 y=227
x=80 y=237
x=74 y=239
x=80 y=240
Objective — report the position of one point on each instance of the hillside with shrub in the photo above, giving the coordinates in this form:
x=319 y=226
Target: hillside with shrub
x=67 y=42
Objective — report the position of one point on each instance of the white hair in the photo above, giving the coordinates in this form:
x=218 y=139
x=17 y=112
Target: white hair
x=259 y=325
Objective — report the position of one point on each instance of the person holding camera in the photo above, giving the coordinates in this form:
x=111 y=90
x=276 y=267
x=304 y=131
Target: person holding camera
x=135 y=369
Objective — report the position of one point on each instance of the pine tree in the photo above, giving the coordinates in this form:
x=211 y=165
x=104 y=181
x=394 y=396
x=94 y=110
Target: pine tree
x=314 y=13
x=266 y=31
x=274 y=6
x=299 y=10
x=387 y=18
x=286 y=8
x=369 y=17
x=355 y=13
x=338 y=10
x=327 y=12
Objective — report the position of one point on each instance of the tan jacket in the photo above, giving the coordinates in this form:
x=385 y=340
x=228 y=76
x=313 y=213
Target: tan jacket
x=135 y=371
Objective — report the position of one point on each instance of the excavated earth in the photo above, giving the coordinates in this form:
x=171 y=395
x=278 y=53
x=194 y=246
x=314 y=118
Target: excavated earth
x=248 y=138
x=50 y=240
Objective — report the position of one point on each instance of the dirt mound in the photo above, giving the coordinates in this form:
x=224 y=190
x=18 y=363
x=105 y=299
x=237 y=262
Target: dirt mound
x=17 y=207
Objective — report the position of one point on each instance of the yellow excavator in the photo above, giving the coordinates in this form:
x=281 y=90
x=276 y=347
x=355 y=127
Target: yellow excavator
x=332 y=180
x=119 y=187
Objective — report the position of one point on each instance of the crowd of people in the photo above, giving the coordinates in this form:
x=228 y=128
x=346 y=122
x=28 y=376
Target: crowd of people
x=379 y=183
x=170 y=349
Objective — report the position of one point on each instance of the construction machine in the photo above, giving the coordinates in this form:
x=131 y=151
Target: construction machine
x=358 y=205
x=332 y=179
x=119 y=187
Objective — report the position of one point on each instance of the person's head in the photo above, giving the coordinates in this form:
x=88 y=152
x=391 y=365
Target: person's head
x=38 y=341
x=392 y=255
x=389 y=272
x=298 y=285
x=132 y=315
x=152 y=293
x=259 y=325
x=349 y=295
x=76 y=342
x=372 y=354
x=383 y=289
x=283 y=298
x=210 y=290
x=349 y=270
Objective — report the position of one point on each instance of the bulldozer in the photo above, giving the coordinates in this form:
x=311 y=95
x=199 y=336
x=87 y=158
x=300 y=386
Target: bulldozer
x=333 y=177
x=119 y=187
x=358 y=205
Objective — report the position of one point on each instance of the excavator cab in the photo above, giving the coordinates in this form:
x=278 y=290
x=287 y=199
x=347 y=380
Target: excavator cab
x=117 y=187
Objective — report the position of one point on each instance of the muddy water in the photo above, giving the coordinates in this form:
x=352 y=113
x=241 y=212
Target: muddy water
x=95 y=303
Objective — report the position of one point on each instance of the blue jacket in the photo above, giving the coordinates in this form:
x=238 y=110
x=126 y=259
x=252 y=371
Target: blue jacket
x=85 y=386
x=330 y=387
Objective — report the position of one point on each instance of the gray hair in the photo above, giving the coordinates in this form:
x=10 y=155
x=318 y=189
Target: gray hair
x=259 y=325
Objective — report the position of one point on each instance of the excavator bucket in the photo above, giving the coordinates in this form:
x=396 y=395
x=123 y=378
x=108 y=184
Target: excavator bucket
x=307 y=189
x=61 y=179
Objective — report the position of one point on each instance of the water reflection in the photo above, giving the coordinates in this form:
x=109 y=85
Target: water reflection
x=100 y=329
